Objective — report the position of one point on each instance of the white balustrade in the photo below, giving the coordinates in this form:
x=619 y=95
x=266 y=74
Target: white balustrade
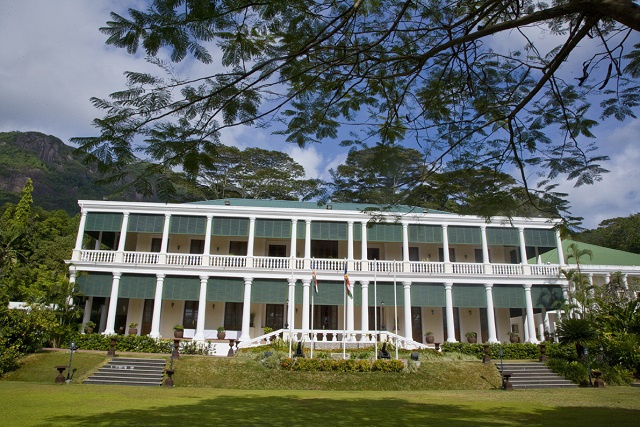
x=506 y=269
x=467 y=268
x=427 y=267
x=227 y=261
x=184 y=259
x=141 y=257
x=271 y=263
x=544 y=270
x=98 y=256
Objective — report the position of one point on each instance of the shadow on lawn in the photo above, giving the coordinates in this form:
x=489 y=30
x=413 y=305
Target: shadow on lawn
x=294 y=411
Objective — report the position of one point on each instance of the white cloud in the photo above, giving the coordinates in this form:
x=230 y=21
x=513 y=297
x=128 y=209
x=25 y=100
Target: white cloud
x=617 y=195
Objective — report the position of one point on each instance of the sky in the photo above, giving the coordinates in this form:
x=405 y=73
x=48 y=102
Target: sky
x=53 y=60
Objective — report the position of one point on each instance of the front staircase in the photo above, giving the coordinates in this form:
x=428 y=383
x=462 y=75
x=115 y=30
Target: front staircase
x=130 y=371
x=534 y=375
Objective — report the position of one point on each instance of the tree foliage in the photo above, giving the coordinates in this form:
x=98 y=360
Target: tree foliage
x=255 y=174
x=443 y=76
x=616 y=233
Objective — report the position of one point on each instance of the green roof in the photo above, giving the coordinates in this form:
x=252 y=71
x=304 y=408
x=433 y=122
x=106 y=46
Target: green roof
x=601 y=255
x=293 y=204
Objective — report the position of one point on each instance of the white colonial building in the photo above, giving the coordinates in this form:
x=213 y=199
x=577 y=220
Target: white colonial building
x=248 y=264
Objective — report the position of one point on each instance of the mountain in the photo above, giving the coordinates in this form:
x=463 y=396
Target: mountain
x=59 y=177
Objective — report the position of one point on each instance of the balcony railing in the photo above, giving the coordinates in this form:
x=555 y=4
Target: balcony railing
x=327 y=265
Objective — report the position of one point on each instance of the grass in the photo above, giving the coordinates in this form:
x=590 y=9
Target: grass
x=241 y=391
x=30 y=404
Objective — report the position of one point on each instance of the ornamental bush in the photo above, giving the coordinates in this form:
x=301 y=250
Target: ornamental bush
x=339 y=365
x=511 y=351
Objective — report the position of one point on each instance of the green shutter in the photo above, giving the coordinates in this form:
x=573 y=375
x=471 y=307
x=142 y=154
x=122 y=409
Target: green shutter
x=425 y=233
x=269 y=291
x=381 y=232
x=223 y=226
x=321 y=230
x=94 y=284
x=427 y=295
x=137 y=286
x=508 y=296
x=329 y=293
x=98 y=221
x=502 y=236
x=385 y=294
x=276 y=228
x=188 y=225
x=181 y=288
x=547 y=296
x=536 y=237
x=464 y=235
x=469 y=296
x=143 y=223
x=301 y=228
x=225 y=289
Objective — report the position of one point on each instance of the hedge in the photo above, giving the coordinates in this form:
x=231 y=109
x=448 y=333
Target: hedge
x=510 y=351
x=339 y=365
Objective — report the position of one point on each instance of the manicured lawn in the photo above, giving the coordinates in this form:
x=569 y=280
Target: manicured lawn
x=30 y=404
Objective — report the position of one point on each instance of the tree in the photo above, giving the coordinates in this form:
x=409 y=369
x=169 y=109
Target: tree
x=256 y=174
x=400 y=72
x=580 y=289
x=616 y=233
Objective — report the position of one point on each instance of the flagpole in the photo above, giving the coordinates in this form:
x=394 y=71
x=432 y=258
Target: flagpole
x=313 y=292
x=344 y=314
x=375 y=305
x=311 y=344
x=395 y=305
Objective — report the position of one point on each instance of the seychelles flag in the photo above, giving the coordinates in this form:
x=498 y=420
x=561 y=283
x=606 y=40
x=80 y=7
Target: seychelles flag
x=314 y=279
x=347 y=283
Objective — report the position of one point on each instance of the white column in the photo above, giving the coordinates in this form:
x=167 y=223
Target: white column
x=292 y=303
x=405 y=247
x=531 y=325
x=123 y=237
x=87 y=311
x=207 y=241
x=113 y=305
x=523 y=247
x=408 y=330
x=364 y=256
x=491 y=319
x=164 y=247
x=202 y=307
x=350 y=245
x=307 y=244
x=451 y=332
x=559 y=246
x=79 y=237
x=350 y=314
x=445 y=250
x=251 y=239
x=364 y=314
x=306 y=305
x=157 y=307
x=485 y=250
x=294 y=243
x=246 y=310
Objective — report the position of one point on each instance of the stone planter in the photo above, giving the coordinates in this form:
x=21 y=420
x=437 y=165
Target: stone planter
x=430 y=339
x=472 y=340
x=133 y=331
x=221 y=335
x=178 y=334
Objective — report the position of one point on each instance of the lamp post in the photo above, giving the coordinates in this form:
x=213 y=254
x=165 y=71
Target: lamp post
x=586 y=357
x=383 y=326
x=501 y=353
x=72 y=347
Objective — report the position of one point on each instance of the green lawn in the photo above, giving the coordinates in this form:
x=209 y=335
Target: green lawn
x=240 y=391
x=30 y=404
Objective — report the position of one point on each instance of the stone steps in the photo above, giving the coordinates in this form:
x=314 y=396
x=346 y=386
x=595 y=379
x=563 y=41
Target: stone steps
x=130 y=371
x=526 y=375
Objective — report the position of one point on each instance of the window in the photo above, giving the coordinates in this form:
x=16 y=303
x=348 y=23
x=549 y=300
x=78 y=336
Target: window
x=233 y=316
x=324 y=248
x=414 y=254
x=452 y=254
x=278 y=251
x=156 y=244
x=190 y=317
x=373 y=253
x=275 y=316
x=197 y=246
x=238 y=248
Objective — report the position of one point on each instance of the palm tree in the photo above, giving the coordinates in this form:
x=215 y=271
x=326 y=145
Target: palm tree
x=580 y=295
x=580 y=332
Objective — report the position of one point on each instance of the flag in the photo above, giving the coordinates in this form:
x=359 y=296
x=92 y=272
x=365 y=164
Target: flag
x=347 y=283
x=314 y=279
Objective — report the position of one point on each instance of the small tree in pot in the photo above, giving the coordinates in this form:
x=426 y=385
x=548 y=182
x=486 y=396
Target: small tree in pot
x=472 y=337
x=429 y=337
x=221 y=333
x=178 y=331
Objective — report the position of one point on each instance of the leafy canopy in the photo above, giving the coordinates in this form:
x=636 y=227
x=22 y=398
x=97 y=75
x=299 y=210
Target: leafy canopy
x=433 y=75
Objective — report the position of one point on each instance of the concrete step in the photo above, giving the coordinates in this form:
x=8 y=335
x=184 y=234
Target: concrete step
x=533 y=375
x=130 y=371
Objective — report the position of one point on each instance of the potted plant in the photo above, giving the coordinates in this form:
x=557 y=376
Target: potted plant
x=89 y=327
x=221 y=333
x=267 y=330
x=133 y=328
x=178 y=331
x=472 y=337
x=429 y=337
x=513 y=337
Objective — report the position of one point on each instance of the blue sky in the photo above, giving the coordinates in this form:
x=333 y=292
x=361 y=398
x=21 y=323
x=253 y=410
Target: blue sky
x=53 y=59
